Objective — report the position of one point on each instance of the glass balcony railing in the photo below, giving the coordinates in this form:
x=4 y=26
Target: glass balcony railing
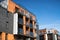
x=35 y=27
x=34 y=19
x=20 y=21
x=35 y=35
x=27 y=24
x=27 y=33
x=31 y=26
x=31 y=18
x=21 y=13
x=31 y=34
x=27 y=15
x=20 y=31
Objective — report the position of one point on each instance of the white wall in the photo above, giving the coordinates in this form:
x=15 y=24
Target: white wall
x=15 y=23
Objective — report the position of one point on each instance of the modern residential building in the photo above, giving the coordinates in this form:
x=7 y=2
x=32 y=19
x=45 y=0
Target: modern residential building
x=58 y=36
x=16 y=23
x=48 y=34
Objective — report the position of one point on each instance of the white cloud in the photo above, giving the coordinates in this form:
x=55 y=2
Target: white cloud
x=49 y=26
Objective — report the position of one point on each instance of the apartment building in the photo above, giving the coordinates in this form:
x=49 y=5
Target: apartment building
x=16 y=23
x=48 y=34
x=58 y=36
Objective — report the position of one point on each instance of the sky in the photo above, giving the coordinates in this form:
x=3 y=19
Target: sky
x=47 y=12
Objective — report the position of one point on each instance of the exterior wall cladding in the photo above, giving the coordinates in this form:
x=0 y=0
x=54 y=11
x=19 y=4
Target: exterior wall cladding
x=6 y=21
x=13 y=29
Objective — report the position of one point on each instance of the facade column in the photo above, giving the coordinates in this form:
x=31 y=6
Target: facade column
x=46 y=37
x=15 y=23
x=10 y=37
x=55 y=37
x=24 y=26
x=34 y=32
x=29 y=26
x=33 y=29
x=3 y=36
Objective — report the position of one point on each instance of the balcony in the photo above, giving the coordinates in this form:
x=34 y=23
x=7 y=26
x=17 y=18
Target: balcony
x=35 y=27
x=35 y=35
x=27 y=24
x=27 y=33
x=21 y=13
x=34 y=19
x=31 y=26
x=20 y=21
x=27 y=15
x=31 y=18
x=20 y=31
x=31 y=34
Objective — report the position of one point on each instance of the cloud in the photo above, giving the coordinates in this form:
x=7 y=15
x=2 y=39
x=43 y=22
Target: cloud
x=50 y=26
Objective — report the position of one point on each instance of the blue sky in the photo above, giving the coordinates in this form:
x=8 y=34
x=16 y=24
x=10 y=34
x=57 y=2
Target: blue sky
x=46 y=11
